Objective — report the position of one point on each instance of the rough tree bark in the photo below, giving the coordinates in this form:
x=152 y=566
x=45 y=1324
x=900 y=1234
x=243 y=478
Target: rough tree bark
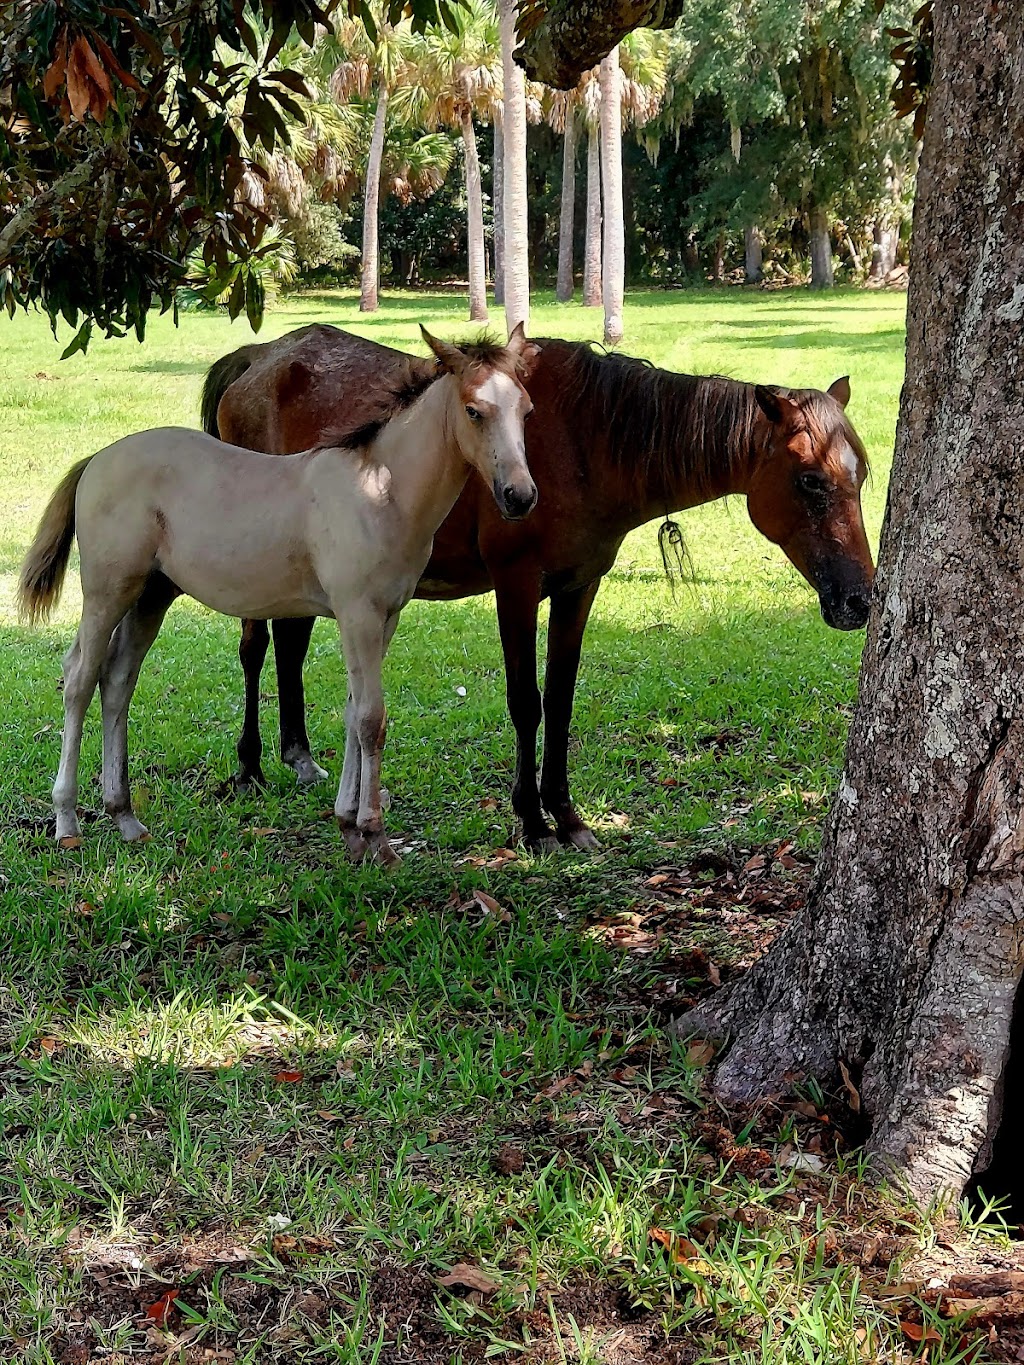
x=370 y=273
x=475 y=223
x=498 y=209
x=514 y=210
x=576 y=34
x=592 y=243
x=905 y=965
x=821 y=250
x=614 y=244
x=566 y=224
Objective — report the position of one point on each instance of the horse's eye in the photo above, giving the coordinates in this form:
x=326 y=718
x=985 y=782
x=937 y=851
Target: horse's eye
x=474 y=414
x=816 y=485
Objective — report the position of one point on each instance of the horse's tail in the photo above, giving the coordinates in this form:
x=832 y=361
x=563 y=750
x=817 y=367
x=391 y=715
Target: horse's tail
x=219 y=378
x=42 y=574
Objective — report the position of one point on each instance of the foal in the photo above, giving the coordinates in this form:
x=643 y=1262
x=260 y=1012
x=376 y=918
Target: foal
x=342 y=530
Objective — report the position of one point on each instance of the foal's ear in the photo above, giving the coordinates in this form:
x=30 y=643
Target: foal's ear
x=840 y=390
x=450 y=356
x=525 y=352
x=771 y=402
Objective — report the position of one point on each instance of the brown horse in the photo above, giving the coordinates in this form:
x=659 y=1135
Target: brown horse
x=613 y=442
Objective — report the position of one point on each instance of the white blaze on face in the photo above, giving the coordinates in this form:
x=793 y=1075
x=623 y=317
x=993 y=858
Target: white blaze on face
x=507 y=448
x=848 y=457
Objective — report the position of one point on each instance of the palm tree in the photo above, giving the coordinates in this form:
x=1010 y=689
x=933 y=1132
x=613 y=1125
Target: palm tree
x=514 y=208
x=498 y=204
x=563 y=116
x=458 y=76
x=614 y=239
x=366 y=67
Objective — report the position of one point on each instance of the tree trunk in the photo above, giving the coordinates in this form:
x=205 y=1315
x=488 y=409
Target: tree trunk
x=475 y=224
x=718 y=267
x=371 y=262
x=498 y=210
x=614 y=246
x=566 y=225
x=821 y=250
x=592 y=246
x=753 y=255
x=883 y=252
x=905 y=965
x=517 y=243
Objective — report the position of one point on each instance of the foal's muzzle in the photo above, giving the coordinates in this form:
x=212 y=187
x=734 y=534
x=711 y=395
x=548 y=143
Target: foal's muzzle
x=515 y=501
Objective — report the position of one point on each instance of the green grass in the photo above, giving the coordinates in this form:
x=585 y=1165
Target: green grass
x=155 y=1000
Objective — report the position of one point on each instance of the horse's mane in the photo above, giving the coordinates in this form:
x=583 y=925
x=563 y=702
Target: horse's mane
x=402 y=392
x=656 y=421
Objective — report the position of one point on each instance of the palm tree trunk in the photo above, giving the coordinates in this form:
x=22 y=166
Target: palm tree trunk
x=517 y=244
x=821 y=250
x=475 y=215
x=498 y=209
x=566 y=226
x=753 y=255
x=611 y=176
x=592 y=247
x=371 y=201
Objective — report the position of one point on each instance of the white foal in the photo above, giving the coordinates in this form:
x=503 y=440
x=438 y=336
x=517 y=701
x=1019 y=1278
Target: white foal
x=344 y=530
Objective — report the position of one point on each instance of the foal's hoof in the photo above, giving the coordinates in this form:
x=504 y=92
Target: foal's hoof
x=542 y=844
x=306 y=771
x=133 y=831
x=355 y=843
x=379 y=851
x=246 y=782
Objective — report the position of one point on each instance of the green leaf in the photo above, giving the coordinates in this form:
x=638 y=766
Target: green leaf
x=81 y=341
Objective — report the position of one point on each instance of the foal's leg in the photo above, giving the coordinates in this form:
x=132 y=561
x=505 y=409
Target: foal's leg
x=346 y=805
x=252 y=650
x=569 y=613
x=364 y=634
x=82 y=665
x=291 y=644
x=120 y=673
x=517 y=621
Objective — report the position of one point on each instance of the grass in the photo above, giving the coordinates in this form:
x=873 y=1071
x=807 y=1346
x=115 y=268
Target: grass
x=297 y=1093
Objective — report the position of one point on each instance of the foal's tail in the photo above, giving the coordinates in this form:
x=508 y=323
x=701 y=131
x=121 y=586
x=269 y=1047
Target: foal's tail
x=219 y=378
x=42 y=574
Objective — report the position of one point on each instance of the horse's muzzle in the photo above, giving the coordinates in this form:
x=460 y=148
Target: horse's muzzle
x=847 y=609
x=515 y=502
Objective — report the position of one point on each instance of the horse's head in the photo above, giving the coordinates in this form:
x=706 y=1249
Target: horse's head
x=489 y=415
x=804 y=495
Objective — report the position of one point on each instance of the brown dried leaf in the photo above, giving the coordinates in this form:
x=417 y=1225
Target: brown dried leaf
x=700 y=1052
x=853 y=1094
x=288 y=1077
x=469 y=1277
x=917 y=1331
x=70 y=841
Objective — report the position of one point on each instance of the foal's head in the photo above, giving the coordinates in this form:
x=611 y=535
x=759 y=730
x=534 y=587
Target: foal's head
x=489 y=414
x=805 y=496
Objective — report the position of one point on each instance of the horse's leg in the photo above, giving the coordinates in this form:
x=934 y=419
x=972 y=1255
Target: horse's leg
x=252 y=650
x=517 y=603
x=568 y=620
x=364 y=635
x=291 y=644
x=128 y=647
x=82 y=665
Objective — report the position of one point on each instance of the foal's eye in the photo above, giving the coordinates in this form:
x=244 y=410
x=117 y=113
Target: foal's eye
x=474 y=414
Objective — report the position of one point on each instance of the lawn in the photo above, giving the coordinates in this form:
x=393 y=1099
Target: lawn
x=261 y=1105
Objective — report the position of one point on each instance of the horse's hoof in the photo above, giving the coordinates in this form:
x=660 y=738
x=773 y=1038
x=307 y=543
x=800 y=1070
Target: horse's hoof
x=379 y=851
x=246 y=782
x=307 y=773
x=582 y=837
x=543 y=844
x=68 y=828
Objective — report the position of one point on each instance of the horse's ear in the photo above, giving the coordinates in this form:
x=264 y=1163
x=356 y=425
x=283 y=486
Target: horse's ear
x=770 y=401
x=450 y=356
x=840 y=390
x=525 y=352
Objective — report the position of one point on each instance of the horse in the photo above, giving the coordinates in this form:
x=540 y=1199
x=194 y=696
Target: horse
x=343 y=529
x=613 y=442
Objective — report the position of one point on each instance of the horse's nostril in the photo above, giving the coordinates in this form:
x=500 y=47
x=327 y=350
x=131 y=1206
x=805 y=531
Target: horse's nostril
x=858 y=603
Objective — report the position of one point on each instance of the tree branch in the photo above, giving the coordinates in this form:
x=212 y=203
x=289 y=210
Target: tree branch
x=572 y=37
x=84 y=173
